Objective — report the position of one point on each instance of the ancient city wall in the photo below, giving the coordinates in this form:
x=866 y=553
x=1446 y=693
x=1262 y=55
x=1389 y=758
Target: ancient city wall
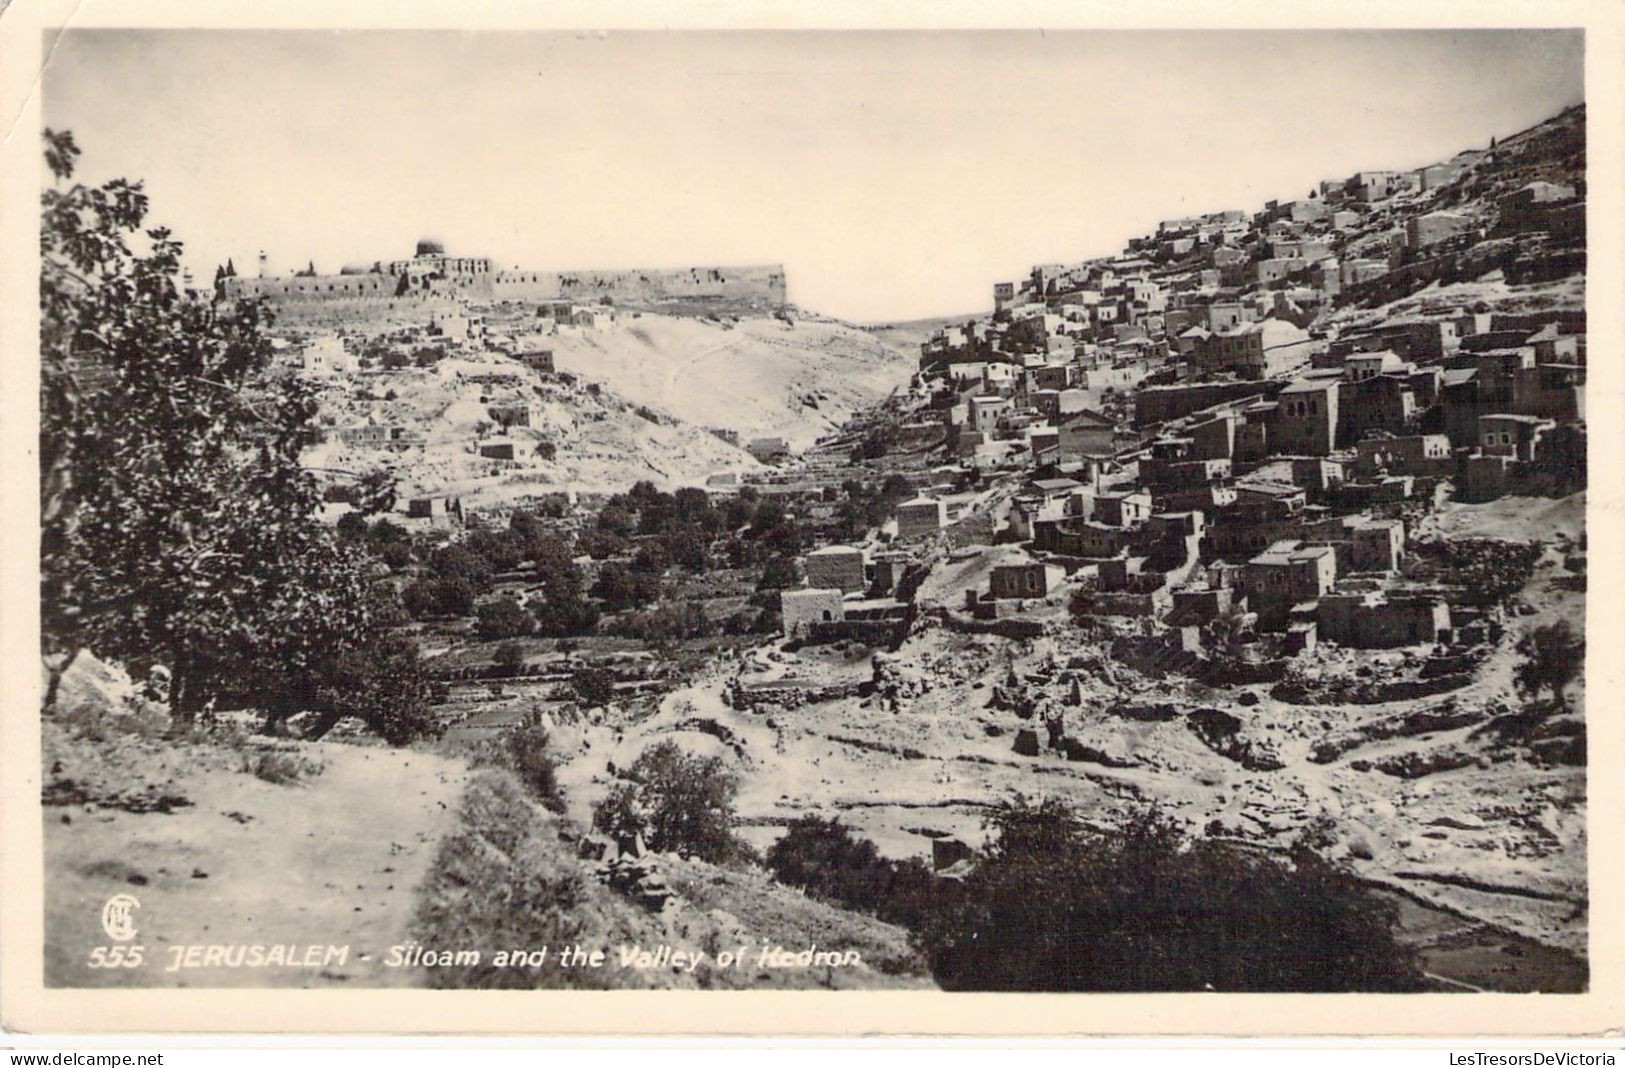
x=764 y=285
x=375 y=312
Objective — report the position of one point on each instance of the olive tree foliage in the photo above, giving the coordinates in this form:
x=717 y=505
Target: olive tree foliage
x=177 y=524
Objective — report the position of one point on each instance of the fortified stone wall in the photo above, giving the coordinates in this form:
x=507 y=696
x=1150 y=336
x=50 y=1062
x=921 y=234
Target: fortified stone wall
x=759 y=285
x=763 y=285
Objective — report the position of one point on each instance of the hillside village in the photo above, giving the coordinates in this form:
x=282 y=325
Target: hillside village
x=1251 y=523
x=1248 y=522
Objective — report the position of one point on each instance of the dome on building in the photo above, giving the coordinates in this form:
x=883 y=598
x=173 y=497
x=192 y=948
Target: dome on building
x=429 y=246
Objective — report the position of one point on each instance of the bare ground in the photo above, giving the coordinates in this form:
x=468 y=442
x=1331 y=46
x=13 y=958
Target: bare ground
x=333 y=858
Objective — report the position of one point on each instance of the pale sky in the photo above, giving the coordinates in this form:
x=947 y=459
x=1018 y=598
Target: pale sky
x=895 y=174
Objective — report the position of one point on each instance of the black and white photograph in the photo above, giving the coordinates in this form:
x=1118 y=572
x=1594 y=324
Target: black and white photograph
x=914 y=510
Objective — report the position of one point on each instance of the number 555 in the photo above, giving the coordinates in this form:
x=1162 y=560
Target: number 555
x=116 y=957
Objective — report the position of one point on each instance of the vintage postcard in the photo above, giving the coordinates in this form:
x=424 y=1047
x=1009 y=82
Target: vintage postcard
x=787 y=523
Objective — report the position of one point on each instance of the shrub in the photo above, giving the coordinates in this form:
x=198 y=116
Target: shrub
x=558 y=619
x=396 y=555
x=669 y=621
x=1490 y=570
x=280 y=767
x=509 y=655
x=679 y=802
x=1553 y=657
x=827 y=861
x=500 y=880
x=525 y=748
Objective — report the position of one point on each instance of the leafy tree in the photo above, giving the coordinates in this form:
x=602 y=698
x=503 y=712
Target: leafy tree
x=666 y=622
x=430 y=597
x=396 y=554
x=680 y=803
x=462 y=562
x=769 y=514
x=595 y=686
x=382 y=683
x=692 y=505
x=622 y=587
x=375 y=492
x=824 y=858
x=651 y=559
x=781 y=573
x=178 y=526
x=618 y=813
x=501 y=619
x=616 y=519
x=503 y=550
x=688 y=546
x=601 y=544
x=562 y=608
x=739 y=512
x=1553 y=658
x=1057 y=906
x=385 y=532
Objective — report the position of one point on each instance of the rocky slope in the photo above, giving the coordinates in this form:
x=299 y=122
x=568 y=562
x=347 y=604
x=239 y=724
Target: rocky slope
x=1454 y=799
x=637 y=400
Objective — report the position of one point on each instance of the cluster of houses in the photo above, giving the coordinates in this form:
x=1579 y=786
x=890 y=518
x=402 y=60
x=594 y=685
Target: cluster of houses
x=469 y=363
x=1205 y=426
x=845 y=586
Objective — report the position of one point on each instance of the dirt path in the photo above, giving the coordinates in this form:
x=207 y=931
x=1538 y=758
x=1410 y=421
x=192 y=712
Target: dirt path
x=331 y=861
x=679 y=371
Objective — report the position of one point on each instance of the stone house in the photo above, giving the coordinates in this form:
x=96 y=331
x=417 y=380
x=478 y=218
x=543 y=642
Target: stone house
x=986 y=411
x=837 y=567
x=1024 y=579
x=1422 y=231
x=1086 y=433
x=920 y=517
x=1122 y=508
x=538 y=360
x=1377 y=545
x=1517 y=436
x=801 y=608
x=499 y=449
x=1285 y=575
x=1261 y=350
x=1306 y=420
x=1372 y=619
x=768 y=450
x=1409 y=454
